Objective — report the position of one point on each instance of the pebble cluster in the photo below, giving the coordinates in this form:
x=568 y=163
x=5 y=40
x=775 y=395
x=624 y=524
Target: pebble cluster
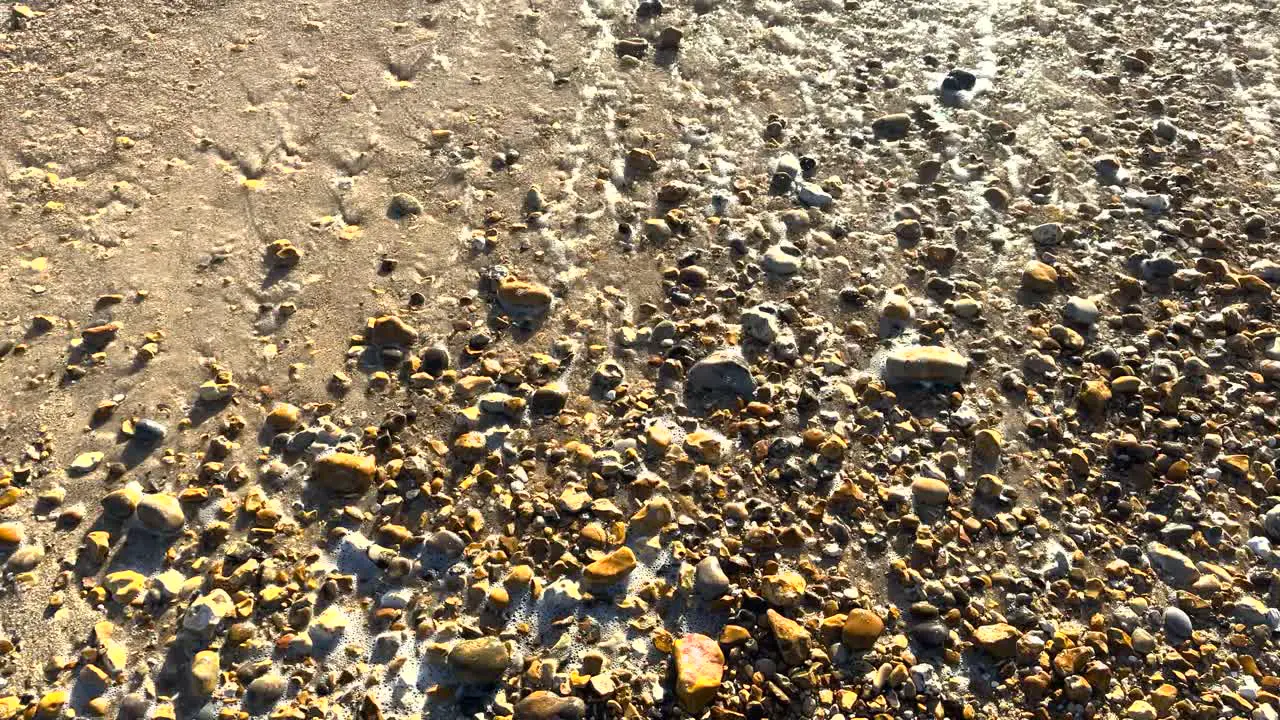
x=944 y=402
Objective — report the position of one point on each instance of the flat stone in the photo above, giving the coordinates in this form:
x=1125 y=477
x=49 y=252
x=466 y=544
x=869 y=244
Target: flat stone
x=543 y=705
x=723 y=372
x=518 y=297
x=812 y=195
x=891 y=127
x=782 y=259
x=930 y=491
x=85 y=462
x=392 y=330
x=611 y=568
x=1174 y=567
x=926 y=363
x=482 y=660
x=999 y=640
x=344 y=472
x=125 y=586
x=699 y=671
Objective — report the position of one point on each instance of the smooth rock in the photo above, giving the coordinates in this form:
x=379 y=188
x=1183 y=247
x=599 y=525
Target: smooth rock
x=861 y=629
x=1081 y=310
x=709 y=579
x=392 y=330
x=342 y=472
x=723 y=372
x=930 y=491
x=1039 y=278
x=1174 y=567
x=482 y=660
x=1177 y=622
x=521 y=298
x=543 y=705
x=699 y=671
x=999 y=640
x=266 y=689
x=161 y=513
x=782 y=259
x=891 y=127
x=926 y=363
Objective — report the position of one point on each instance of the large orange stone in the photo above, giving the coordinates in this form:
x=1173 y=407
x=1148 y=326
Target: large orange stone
x=699 y=671
x=861 y=629
x=345 y=472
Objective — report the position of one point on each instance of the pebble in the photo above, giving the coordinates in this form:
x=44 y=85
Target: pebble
x=267 y=688
x=1177 y=623
x=783 y=259
x=345 y=473
x=149 y=432
x=544 y=705
x=12 y=533
x=792 y=639
x=710 y=580
x=891 y=127
x=524 y=298
x=161 y=513
x=1047 y=234
x=930 y=491
x=812 y=195
x=722 y=373
x=610 y=569
x=998 y=640
x=121 y=503
x=1081 y=310
x=207 y=611
x=283 y=416
x=699 y=670
x=926 y=363
x=205 y=672
x=862 y=628
x=85 y=462
x=481 y=660
x=392 y=330
x=1038 y=277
